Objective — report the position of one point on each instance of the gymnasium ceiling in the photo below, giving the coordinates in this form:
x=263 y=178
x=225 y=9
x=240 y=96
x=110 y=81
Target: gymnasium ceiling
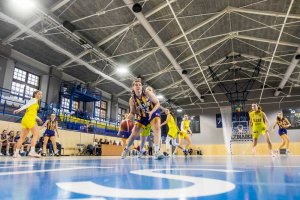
x=228 y=35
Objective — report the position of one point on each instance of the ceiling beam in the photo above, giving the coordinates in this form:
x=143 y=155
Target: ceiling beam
x=264 y=12
x=144 y=22
x=193 y=52
x=276 y=46
x=264 y=40
x=288 y=72
x=59 y=49
x=117 y=33
x=174 y=39
x=17 y=33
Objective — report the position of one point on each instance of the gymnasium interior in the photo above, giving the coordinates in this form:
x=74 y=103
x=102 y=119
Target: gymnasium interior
x=211 y=60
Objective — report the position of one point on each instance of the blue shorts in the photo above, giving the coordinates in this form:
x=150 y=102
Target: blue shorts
x=49 y=133
x=144 y=121
x=282 y=131
x=125 y=134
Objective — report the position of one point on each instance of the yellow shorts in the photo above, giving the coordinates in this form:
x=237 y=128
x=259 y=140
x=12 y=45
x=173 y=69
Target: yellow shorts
x=257 y=130
x=173 y=132
x=146 y=131
x=28 y=123
x=183 y=134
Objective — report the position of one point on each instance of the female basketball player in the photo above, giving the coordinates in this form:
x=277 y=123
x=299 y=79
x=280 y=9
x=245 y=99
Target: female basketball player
x=29 y=124
x=50 y=133
x=172 y=133
x=259 y=124
x=145 y=105
x=184 y=133
x=282 y=123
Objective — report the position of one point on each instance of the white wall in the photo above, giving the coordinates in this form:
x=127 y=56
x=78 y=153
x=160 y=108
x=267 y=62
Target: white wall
x=212 y=135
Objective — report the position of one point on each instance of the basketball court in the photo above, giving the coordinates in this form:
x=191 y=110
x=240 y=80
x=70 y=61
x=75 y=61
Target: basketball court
x=149 y=99
x=215 y=177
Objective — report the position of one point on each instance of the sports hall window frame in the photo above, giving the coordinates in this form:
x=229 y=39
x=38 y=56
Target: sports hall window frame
x=101 y=109
x=22 y=78
x=65 y=105
x=121 y=112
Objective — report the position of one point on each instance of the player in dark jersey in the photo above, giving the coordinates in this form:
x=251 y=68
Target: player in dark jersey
x=145 y=105
x=51 y=125
x=282 y=123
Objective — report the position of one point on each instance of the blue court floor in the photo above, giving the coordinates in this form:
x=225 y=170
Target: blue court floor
x=237 y=177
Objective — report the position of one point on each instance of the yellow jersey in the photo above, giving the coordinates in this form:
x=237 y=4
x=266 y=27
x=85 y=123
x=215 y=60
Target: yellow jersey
x=186 y=125
x=171 y=122
x=29 y=119
x=257 y=118
x=173 y=130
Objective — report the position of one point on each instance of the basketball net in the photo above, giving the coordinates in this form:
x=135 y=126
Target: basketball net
x=227 y=125
x=240 y=128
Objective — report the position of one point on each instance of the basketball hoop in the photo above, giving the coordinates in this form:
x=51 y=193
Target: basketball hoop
x=240 y=129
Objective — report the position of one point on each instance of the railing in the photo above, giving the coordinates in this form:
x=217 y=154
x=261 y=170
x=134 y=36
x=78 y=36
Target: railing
x=10 y=102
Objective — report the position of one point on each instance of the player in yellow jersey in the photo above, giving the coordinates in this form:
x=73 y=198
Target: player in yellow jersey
x=143 y=137
x=259 y=124
x=145 y=105
x=172 y=133
x=29 y=124
x=185 y=131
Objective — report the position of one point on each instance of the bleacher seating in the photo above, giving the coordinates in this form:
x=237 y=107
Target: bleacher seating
x=10 y=102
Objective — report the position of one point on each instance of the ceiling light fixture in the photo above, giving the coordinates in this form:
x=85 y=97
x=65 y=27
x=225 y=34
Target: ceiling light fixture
x=24 y=4
x=122 y=70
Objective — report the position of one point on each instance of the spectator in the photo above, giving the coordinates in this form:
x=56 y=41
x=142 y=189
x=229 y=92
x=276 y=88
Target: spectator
x=151 y=140
x=17 y=137
x=199 y=152
x=10 y=141
x=3 y=140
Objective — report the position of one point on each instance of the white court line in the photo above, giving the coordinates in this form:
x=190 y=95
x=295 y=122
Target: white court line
x=16 y=166
x=201 y=186
x=12 y=164
x=49 y=170
x=280 y=166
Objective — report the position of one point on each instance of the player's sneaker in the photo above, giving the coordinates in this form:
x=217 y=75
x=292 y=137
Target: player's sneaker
x=159 y=156
x=185 y=152
x=141 y=153
x=124 y=153
x=34 y=154
x=17 y=155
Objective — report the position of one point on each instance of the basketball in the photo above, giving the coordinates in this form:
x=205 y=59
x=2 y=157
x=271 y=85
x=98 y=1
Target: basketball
x=126 y=125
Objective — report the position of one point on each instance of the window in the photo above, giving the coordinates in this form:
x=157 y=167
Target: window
x=121 y=113
x=101 y=109
x=24 y=83
x=65 y=103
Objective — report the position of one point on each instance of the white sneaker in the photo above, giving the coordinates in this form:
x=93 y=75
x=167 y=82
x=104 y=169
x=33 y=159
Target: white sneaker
x=17 y=155
x=124 y=153
x=272 y=153
x=159 y=156
x=141 y=153
x=1 y=154
x=34 y=154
